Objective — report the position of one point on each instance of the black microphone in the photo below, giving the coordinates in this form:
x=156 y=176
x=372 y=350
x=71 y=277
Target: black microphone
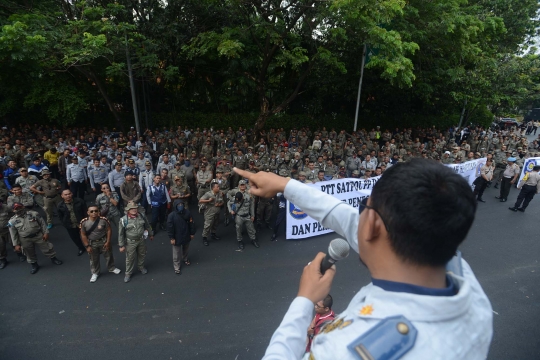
x=337 y=250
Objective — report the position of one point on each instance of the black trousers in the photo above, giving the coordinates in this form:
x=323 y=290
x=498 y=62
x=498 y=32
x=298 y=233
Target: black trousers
x=78 y=189
x=480 y=187
x=281 y=219
x=505 y=187
x=75 y=236
x=159 y=214
x=525 y=196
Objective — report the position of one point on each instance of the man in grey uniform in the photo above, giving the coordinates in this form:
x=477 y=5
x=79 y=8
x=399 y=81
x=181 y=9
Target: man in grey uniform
x=530 y=186
x=132 y=237
x=28 y=230
x=5 y=215
x=242 y=207
x=96 y=237
x=213 y=202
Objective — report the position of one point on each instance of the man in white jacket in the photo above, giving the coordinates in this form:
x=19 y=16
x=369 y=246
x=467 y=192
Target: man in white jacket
x=423 y=302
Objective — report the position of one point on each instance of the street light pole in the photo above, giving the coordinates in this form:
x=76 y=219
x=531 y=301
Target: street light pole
x=132 y=85
x=360 y=87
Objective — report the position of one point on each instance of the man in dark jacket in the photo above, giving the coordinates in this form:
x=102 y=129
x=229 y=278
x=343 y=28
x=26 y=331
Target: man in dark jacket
x=71 y=211
x=181 y=230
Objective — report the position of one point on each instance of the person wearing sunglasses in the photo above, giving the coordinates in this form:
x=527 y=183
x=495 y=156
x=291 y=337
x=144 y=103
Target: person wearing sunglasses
x=96 y=237
x=423 y=300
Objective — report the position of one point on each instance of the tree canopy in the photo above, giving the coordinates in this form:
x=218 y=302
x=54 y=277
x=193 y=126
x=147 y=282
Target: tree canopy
x=65 y=60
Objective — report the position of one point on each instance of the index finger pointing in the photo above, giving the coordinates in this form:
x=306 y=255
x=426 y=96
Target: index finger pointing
x=243 y=173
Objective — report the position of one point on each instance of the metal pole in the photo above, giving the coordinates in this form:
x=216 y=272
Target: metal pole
x=462 y=114
x=132 y=86
x=360 y=87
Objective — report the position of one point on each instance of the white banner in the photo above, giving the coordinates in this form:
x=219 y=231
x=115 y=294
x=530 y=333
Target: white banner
x=528 y=166
x=351 y=191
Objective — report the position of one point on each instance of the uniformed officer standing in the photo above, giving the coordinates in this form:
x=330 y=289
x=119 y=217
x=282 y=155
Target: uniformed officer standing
x=264 y=212
x=26 y=181
x=132 y=237
x=20 y=197
x=108 y=202
x=213 y=201
x=530 y=186
x=76 y=178
x=243 y=207
x=50 y=189
x=98 y=176
x=204 y=177
x=96 y=236
x=28 y=230
x=180 y=190
x=510 y=176
x=5 y=215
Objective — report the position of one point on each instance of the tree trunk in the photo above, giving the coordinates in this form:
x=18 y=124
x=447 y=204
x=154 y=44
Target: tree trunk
x=261 y=119
x=92 y=76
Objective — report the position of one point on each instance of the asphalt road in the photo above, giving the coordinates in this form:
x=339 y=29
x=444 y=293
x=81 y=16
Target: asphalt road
x=227 y=304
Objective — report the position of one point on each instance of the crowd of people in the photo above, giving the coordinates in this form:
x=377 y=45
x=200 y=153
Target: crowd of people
x=98 y=181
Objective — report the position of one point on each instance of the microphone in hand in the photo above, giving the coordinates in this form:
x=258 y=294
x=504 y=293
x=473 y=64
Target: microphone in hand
x=337 y=250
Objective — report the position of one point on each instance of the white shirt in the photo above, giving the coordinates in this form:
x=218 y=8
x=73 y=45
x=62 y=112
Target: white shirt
x=449 y=327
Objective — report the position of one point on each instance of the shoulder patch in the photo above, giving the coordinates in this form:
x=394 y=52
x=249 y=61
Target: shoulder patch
x=390 y=339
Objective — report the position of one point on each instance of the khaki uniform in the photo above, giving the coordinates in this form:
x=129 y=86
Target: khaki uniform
x=243 y=214
x=27 y=231
x=130 y=191
x=5 y=215
x=106 y=207
x=25 y=183
x=26 y=199
x=51 y=199
x=211 y=213
x=130 y=235
x=202 y=185
x=97 y=239
x=182 y=190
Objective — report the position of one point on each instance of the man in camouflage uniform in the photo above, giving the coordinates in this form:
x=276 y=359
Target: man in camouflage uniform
x=96 y=239
x=20 y=197
x=204 y=177
x=26 y=181
x=243 y=209
x=28 y=230
x=180 y=190
x=50 y=189
x=132 y=237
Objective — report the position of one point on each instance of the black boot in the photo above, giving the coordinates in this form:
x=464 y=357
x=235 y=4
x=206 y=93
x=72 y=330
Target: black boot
x=521 y=209
x=241 y=245
x=269 y=227
x=205 y=241
x=513 y=208
x=35 y=268
x=255 y=243
x=227 y=221
x=3 y=263
x=214 y=236
x=22 y=257
x=274 y=237
x=496 y=186
x=55 y=261
x=481 y=200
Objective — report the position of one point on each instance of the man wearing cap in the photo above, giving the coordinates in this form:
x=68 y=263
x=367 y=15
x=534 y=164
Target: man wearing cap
x=76 y=178
x=96 y=237
x=5 y=215
x=50 y=189
x=212 y=202
x=26 y=181
x=204 y=177
x=480 y=183
x=134 y=170
x=28 y=230
x=145 y=180
x=165 y=164
x=176 y=171
x=244 y=214
x=447 y=158
x=130 y=190
x=499 y=158
x=180 y=190
x=131 y=238
x=510 y=175
x=530 y=186
x=157 y=196
x=98 y=176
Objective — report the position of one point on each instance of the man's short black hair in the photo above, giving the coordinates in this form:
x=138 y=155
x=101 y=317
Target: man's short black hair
x=427 y=208
x=328 y=302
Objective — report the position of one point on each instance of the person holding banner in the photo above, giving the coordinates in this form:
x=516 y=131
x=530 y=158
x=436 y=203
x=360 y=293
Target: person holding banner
x=423 y=301
x=530 y=186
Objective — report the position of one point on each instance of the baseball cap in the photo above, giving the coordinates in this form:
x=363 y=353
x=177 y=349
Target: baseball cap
x=242 y=182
